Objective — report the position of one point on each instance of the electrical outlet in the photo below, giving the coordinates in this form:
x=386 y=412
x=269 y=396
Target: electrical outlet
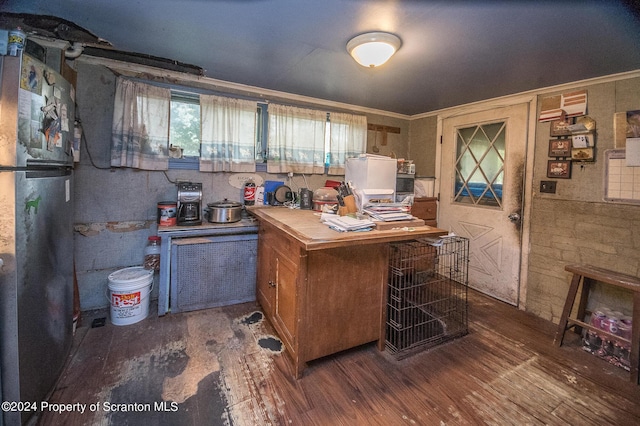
x=548 y=186
x=290 y=174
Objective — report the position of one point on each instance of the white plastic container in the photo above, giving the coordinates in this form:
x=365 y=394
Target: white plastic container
x=152 y=254
x=370 y=171
x=374 y=174
x=129 y=294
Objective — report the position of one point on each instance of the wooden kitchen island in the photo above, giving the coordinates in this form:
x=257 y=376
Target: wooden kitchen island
x=323 y=290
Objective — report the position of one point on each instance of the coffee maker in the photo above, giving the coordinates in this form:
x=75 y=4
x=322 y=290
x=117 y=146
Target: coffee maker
x=189 y=203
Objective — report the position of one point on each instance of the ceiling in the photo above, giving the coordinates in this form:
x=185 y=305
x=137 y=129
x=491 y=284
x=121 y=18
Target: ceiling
x=453 y=52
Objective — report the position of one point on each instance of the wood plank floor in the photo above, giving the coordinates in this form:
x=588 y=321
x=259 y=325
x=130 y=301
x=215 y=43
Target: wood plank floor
x=211 y=368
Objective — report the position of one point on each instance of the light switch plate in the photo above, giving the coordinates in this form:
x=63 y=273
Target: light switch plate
x=548 y=186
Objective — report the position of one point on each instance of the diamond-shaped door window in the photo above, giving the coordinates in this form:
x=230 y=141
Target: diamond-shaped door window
x=480 y=156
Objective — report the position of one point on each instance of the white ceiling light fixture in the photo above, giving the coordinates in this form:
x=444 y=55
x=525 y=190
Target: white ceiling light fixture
x=373 y=49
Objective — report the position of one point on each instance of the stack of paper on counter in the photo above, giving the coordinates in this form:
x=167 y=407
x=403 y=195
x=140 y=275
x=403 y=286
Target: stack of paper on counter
x=390 y=217
x=346 y=223
x=388 y=212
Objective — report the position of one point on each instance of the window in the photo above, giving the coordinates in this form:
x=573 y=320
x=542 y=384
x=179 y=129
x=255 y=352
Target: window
x=184 y=131
x=261 y=132
x=140 y=128
x=185 y=136
x=296 y=140
x=228 y=129
x=327 y=143
x=304 y=140
x=480 y=153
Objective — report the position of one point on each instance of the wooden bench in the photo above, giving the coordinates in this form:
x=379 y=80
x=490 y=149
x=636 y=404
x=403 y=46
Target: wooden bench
x=588 y=274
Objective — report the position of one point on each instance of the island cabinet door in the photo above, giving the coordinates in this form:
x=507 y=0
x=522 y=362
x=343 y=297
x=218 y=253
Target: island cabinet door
x=265 y=280
x=277 y=284
x=285 y=309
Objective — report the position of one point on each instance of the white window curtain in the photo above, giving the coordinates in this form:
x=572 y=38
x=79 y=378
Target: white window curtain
x=140 y=131
x=228 y=134
x=348 y=139
x=296 y=140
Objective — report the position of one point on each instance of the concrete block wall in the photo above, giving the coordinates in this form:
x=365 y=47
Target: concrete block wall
x=565 y=232
x=576 y=225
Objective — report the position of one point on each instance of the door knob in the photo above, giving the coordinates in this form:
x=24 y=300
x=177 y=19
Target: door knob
x=514 y=217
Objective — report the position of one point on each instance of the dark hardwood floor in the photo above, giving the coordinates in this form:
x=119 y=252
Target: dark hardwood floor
x=211 y=367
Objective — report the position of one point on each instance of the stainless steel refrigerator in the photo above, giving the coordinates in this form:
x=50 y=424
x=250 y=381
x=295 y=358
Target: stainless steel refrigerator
x=36 y=231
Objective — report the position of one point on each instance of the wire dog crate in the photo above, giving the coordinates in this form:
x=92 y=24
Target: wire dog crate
x=427 y=300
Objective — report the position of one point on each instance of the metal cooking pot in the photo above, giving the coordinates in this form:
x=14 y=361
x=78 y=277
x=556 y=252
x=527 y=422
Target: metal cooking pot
x=223 y=211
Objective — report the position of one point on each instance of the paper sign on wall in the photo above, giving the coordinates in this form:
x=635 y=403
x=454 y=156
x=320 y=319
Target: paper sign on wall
x=556 y=107
x=633 y=152
x=580 y=141
x=574 y=103
x=550 y=109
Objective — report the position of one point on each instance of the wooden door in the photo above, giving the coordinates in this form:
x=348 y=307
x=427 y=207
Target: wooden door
x=481 y=192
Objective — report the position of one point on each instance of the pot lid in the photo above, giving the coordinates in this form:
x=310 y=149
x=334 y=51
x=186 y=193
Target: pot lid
x=224 y=204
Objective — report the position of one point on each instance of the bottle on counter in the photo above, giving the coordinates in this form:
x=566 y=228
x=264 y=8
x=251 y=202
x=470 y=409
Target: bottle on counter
x=152 y=254
x=249 y=193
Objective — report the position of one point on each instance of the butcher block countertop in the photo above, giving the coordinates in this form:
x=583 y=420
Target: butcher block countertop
x=305 y=226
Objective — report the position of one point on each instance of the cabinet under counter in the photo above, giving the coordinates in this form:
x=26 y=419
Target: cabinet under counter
x=323 y=291
x=206 y=265
x=426 y=208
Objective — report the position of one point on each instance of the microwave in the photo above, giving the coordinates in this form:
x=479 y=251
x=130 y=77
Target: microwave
x=404 y=183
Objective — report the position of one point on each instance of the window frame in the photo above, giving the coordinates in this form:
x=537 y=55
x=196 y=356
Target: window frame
x=262 y=132
x=189 y=162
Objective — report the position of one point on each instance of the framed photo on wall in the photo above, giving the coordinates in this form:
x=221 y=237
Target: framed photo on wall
x=582 y=154
x=560 y=148
x=560 y=127
x=559 y=169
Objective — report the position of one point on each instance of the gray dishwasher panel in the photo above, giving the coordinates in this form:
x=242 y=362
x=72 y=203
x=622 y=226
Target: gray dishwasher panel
x=212 y=271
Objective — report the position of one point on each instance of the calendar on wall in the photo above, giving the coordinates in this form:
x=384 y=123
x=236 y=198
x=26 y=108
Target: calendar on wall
x=621 y=182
